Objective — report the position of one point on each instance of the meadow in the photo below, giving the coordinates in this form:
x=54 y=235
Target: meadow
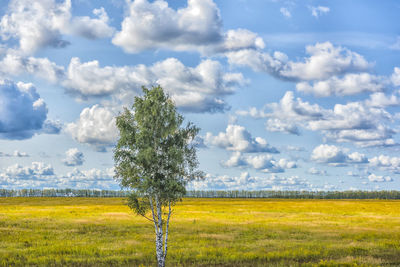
x=203 y=232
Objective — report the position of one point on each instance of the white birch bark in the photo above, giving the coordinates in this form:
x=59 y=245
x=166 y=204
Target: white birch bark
x=161 y=240
x=159 y=235
x=156 y=219
x=166 y=231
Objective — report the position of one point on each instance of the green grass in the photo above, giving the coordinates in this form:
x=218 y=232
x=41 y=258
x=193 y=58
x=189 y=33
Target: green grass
x=204 y=232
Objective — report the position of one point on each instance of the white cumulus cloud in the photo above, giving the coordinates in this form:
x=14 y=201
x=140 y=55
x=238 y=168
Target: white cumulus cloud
x=324 y=61
x=95 y=126
x=362 y=123
x=37 y=169
x=237 y=138
x=198 y=89
x=195 y=27
x=395 y=78
x=23 y=112
x=73 y=157
x=349 y=84
x=38 y=24
x=248 y=182
x=386 y=163
x=15 y=64
x=336 y=156
x=379 y=178
x=262 y=162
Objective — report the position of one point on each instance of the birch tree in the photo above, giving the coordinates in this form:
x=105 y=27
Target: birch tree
x=155 y=157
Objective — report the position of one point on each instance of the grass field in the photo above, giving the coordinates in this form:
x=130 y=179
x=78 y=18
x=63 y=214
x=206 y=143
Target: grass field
x=204 y=232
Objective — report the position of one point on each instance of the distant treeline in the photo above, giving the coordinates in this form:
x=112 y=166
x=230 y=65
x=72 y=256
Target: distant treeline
x=208 y=194
x=297 y=194
x=61 y=193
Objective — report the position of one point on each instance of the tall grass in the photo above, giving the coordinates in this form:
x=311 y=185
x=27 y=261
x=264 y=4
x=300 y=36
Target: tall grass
x=204 y=232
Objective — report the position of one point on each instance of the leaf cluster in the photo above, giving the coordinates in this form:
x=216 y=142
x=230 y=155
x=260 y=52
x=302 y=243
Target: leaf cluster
x=155 y=155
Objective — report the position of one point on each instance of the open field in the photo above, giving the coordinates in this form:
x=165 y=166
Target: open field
x=222 y=232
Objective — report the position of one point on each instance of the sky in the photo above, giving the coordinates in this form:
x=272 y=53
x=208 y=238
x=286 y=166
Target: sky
x=289 y=95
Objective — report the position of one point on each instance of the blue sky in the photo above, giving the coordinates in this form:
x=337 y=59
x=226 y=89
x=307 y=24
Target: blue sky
x=289 y=95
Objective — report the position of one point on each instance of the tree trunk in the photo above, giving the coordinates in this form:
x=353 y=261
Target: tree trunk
x=159 y=250
x=166 y=231
x=159 y=235
x=161 y=241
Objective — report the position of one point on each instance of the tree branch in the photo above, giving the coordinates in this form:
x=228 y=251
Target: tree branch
x=152 y=212
x=147 y=217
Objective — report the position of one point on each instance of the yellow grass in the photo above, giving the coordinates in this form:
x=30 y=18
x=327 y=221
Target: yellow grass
x=204 y=232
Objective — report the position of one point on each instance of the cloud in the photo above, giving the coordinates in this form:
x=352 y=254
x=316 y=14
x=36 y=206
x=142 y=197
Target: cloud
x=259 y=61
x=247 y=182
x=19 y=154
x=295 y=148
x=236 y=160
x=395 y=78
x=237 y=138
x=336 y=156
x=285 y=12
x=95 y=126
x=353 y=174
x=317 y=11
x=52 y=127
x=92 y=28
x=277 y=125
x=328 y=154
x=155 y=25
x=90 y=175
x=37 y=169
x=262 y=162
x=287 y=115
x=16 y=154
x=238 y=39
x=324 y=61
x=196 y=27
x=41 y=175
x=289 y=107
x=199 y=89
x=350 y=84
x=22 y=112
x=357 y=157
x=39 y=24
x=380 y=100
x=358 y=122
x=35 y=25
x=14 y=64
x=73 y=157
x=386 y=163
x=193 y=89
x=376 y=178
x=315 y=171
x=252 y=112
x=88 y=179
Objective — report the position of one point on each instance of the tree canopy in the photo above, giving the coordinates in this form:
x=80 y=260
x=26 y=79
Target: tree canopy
x=155 y=157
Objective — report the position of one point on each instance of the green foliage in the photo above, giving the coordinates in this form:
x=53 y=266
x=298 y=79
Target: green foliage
x=155 y=155
x=138 y=204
